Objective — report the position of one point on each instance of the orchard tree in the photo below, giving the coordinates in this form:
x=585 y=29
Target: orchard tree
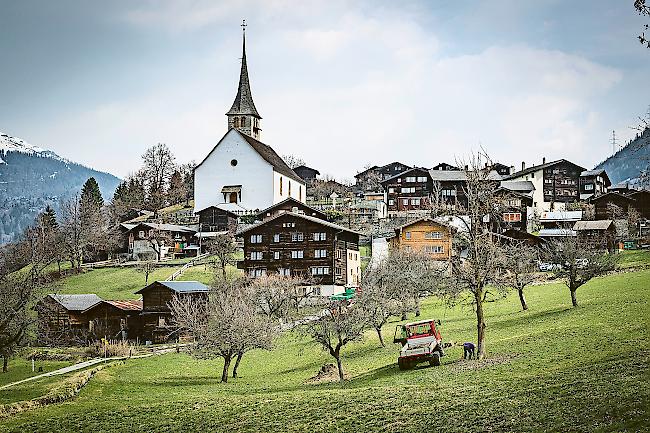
x=158 y=167
x=223 y=248
x=520 y=267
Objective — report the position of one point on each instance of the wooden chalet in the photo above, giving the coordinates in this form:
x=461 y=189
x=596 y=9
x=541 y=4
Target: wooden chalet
x=443 y=166
x=409 y=190
x=307 y=174
x=513 y=236
x=157 y=323
x=598 y=234
x=370 y=176
x=593 y=183
x=115 y=320
x=514 y=210
x=424 y=235
x=171 y=239
x=62 y=318
x=290 y=205
x=450 y=186
x=614 y=205
x=219 y=218
x=324 y=253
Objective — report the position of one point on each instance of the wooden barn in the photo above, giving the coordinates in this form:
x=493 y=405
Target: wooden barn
x=157 y=323
x=115 y=320
x=598 y=234
x=62 y=318
x=424 y=235
x=219 y=218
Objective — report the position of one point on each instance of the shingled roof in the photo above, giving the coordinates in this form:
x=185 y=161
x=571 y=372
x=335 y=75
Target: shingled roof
x=269 y=155
x=243 y=103
x=180 y=286
x=76 y=302
x=305 y=217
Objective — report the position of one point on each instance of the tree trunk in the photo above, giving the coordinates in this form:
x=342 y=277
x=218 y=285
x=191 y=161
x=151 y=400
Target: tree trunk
x=404 y=316
x=417 y=306
x=223 y=271
x=5 y=364
x=381 y=339
x=574 y=300
x=480 y=325
x=226 y=367
x=522 y=299
x=339 y=365
x=237 y=361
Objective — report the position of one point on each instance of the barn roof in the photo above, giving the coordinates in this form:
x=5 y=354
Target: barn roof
x=180 y=286
x=124 y=305
x=593 y=225
x=305 y=217
x=76 y=302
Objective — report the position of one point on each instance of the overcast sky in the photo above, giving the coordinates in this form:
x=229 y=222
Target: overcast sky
x=338 y=83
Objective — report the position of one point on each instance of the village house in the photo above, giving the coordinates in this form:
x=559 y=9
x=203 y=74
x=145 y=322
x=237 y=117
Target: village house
x=514 y=210
x=219 y=218
x=157 y=323
x=115 y=320
x=156 y=241
x=593 y=183
x=617 y=205
x=290 y=205
x=324 y=253
x=240 y=168
x=443 y=166
x=368 y=210
x=307 y=174
x=424 y=235
x=62 y=318
x=370 y=178
x=558 y=223
x=556 y=183
x=448 y=184
x=409 y=190
x=597 y=234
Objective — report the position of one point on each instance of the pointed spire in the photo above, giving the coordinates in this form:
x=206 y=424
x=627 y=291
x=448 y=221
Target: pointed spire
x=243 y=103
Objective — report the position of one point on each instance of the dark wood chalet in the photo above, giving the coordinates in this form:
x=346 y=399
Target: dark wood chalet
x=614 y=205
x=62 y=318
x=597 y=234
x=369 y=177
x=290 y=205
x=217 y=219
x=307 y=174
x=450 y=186
x=302 y=245
x=443 y=166
x=514 y=210
x=115 y=320
x=157 y=323
x=409 y=190
x=593 y=183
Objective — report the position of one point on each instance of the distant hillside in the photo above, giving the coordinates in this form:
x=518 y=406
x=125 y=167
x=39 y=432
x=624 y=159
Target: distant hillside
x=32 y=177
x=627 y=164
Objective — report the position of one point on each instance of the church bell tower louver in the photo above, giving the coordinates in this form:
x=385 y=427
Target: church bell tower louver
x=243 y=115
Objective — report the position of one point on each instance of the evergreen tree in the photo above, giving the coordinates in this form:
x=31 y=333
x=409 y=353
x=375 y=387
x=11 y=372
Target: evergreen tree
x=48 y=219
x=176 y=192
x=90 y=193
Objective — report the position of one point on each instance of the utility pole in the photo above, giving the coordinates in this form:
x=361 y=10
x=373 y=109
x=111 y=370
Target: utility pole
x=614 y=143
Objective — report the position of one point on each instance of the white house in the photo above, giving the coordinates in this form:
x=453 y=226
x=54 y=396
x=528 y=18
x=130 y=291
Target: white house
x=241 y=169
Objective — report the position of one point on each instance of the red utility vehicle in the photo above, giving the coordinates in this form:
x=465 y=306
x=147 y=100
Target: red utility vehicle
x=421 y=342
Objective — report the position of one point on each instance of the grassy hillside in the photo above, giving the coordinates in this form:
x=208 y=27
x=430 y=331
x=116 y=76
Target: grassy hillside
x=553 y=368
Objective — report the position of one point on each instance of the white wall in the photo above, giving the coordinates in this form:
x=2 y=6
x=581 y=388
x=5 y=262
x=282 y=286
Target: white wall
x=252 y=172
x=353 y=267
x=296 y=188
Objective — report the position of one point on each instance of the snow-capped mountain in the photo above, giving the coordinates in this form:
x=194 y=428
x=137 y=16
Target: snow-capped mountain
x=32 y=177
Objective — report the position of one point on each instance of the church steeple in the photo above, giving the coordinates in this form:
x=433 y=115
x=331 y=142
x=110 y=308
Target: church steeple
x=243 y=115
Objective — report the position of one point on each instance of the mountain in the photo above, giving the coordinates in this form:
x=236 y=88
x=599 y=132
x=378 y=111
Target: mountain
x=32 y=177
x=629 y=162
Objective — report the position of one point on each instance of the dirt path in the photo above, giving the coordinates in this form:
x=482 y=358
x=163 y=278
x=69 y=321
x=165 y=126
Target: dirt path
x=90 y=363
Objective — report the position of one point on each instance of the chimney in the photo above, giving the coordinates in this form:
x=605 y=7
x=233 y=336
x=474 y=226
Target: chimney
x=466 y=167
x=486 y=165
x=523 y=165
x=512 y=169
x=544 y=160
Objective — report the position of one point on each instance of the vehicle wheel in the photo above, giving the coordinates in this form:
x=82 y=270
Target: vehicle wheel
x=435 y=360
x=401 y=364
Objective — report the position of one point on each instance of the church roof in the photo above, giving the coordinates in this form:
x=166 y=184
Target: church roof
x=243 y=103
x=271 y=157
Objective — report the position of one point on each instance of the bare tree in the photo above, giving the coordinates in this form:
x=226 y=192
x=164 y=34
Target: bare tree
x=293 y=161
x=375 y=300
x=146 y=268
x=520 y=263
x=225 y=324
x=273 y=294
x=579 y=261
x=158 y=167
x=479 y=271
x=339 y=324
x=72 y=230
x=223 y=248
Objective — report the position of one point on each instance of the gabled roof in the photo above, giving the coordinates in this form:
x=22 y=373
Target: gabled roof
x=76 y=302
x=180 y=286
x=305 y=168
x=231 y=208
x=448 y=175
x=443 y=166
x=518 y=185
x=541 y=167
x=593 y=225
x=124 y=305
x=567 y=215
x=419 y=220
x=361 y=173
x=289 y=200
x=597 y=172
x=422 y=169
x=243 y=103
x=612 y=194
x=163 y=227
x=305 y=217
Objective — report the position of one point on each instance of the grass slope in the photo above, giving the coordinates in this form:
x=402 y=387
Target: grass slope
x=552 y=368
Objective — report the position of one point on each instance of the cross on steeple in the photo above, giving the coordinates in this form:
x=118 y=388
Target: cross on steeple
x=243 y=26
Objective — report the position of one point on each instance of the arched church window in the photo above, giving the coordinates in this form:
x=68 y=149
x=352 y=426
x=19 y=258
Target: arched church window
x=280 y=185
x=289 y=192
x=235 y=123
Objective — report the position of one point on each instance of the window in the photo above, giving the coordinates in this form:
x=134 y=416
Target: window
x=415 y=201
x=256 y=239
x=319 y=236
x=449 y=193
x=320 y=270
x=408 y=190
x=280 y=185
x=405 y=202
x=297 y=254
x=242 y=121
x=276 y=237
x=391 y=190
x=235 y=122
x=285 y=272
x=589 y=187
x=338 y=254
x=288 y=224
x=299 y=192
x=407 y=235
x=297 y=237
x=260 y=272
x=257 y=255
x=433 y=235
x=320 y=254
x=391 y=202
x=289 y=190
x=410 y=179
x=276 y=255
x=434 y=249
x=338 y=271
x=512 y=217
x=141 y=233
x=233 y=162
x=422 y=178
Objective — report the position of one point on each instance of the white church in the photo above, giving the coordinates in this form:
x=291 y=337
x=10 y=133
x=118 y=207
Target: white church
x=241 y=173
